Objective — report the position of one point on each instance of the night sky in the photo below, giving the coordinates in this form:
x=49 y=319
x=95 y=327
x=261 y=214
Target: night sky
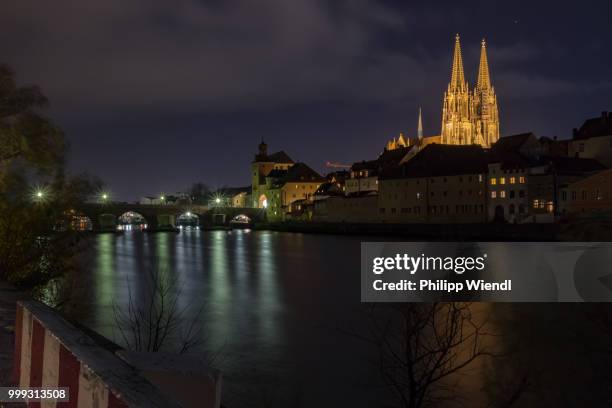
x=154 y=95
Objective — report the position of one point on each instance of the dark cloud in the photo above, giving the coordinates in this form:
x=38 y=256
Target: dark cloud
x=151 y=76
x=187 y=55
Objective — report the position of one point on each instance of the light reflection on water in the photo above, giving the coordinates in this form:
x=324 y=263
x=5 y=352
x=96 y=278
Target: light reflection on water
x=272 y=303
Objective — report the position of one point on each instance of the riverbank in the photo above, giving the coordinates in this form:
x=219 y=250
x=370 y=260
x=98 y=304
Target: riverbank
x=443 y=232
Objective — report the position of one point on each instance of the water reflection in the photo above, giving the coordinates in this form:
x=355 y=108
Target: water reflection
x=104 y=276
x=270 y=302
x=267 y=305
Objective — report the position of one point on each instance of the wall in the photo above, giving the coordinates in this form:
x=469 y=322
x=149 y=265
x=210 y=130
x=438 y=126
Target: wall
x=346 y=209
x=51 y=352
x=443 y=199
x=587 y=197
x=361 y=184
x=294 y=191
x=599 y=148
x=508 y=195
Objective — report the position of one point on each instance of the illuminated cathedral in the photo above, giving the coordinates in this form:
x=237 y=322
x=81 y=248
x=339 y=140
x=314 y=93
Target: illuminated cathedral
x=470 y=116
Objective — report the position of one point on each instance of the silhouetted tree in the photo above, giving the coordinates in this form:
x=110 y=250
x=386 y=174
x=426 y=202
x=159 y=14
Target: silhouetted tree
x=421 y=346
x=37 y=242
x=155 y=321
x=199 y=193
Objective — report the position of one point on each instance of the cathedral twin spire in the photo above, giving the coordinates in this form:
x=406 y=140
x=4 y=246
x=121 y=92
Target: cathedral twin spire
x=457 y=75
x=484 y=80
x=470 y=117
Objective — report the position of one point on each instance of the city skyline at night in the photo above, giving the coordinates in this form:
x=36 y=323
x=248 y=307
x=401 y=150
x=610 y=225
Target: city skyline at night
x=191 y=88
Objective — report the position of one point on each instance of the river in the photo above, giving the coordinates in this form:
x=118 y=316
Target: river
x=277 y=309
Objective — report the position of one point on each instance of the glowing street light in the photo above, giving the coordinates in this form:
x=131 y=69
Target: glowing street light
x=217 y=200
x=104 y=197
x=40 y=194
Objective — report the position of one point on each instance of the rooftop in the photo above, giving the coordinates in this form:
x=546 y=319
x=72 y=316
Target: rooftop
x=442 y=160
x=280 y=157
x=595 y=127
x=233 y=191
x=386 y=158
x=512 y=143
x=298 y=173
x=301 y=172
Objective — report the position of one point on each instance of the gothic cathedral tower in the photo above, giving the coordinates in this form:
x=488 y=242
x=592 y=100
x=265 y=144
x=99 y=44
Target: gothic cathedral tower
x=457 y=111
x=485 y=104
x=470 y=117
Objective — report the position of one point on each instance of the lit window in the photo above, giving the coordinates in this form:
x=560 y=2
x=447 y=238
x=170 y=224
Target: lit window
x=493 y=194
x=493 y=181
x=535 y=203
x=550 y=207
x=480 y=178
x=502 y=180
x=522 y=180
x=512 y=180
x=502 y=194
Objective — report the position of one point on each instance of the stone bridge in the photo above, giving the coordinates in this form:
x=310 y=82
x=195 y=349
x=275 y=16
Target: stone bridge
x=104 y=217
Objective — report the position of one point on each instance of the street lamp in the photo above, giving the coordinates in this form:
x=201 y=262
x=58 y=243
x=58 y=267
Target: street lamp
x=39 y=194
x=217 y=200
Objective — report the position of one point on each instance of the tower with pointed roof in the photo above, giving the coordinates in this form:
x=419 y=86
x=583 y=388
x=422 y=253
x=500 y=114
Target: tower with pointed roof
x=420 y=128
x=486 y=119
x=458 y=109
x=470 y=117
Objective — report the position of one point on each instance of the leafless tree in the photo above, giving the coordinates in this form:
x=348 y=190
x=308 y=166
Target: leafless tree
x=422 y=345
x=157 y=322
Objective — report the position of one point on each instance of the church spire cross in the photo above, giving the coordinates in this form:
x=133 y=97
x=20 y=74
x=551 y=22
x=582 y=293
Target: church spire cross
x=484 y=80
x=457 y=77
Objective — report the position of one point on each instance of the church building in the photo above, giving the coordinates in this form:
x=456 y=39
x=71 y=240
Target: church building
x=470 y=116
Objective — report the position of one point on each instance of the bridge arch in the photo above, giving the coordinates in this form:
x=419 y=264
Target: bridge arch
x=132 y=220
x=188 y=219
x=241 y=218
